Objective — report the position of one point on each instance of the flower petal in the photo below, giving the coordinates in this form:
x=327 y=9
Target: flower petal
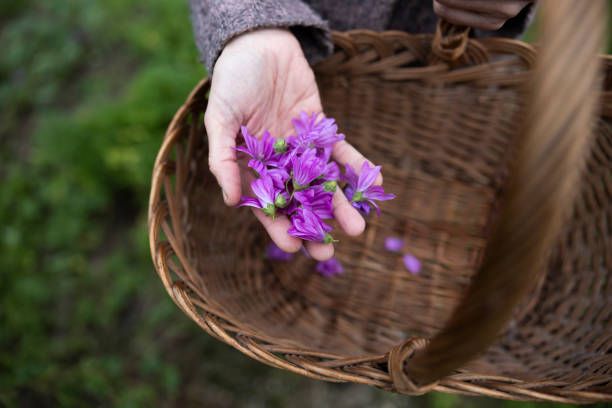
x=332 y=171
x=244 y=150
x=251 y=142
x=317 y=200
x=375 y=206
x=307 y=225
x=330 y=267
x=377 y=193
x=258 y=166
x=279 y=176
x=266 y=146
x=394 y=244
x=412 y=263
x=362 y=206
x=275 y=253
x=350 y=177
x=307 y=167
x=301 y=125
x=249 y=202
x=264 y=189
x=367 y=176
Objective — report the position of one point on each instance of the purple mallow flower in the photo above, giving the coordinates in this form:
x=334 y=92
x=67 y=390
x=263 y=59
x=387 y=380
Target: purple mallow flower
x=306 y=168
x=305 y=224
x=330 y=267
x=362 y=206
x=394 y=244
x=412 y=264
x=360 y=189
x=262 y=150
x=266 y=196
x=314 y=132
x=317 y=200
x=274 y=253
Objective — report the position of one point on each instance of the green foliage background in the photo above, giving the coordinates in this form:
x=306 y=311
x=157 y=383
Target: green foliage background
x=87 y=88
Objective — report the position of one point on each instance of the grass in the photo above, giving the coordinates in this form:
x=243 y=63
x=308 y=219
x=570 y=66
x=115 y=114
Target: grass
x=87 y=88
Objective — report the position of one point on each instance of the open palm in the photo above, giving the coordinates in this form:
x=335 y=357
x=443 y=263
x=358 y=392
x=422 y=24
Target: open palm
x=262 y=80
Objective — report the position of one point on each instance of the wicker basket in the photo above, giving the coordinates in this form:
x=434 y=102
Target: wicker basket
x=486 y=160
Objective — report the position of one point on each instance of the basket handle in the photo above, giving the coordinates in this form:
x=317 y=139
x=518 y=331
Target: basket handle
x=537 y=199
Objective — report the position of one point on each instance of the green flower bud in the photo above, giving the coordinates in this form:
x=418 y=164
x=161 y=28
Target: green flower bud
x=280 y=201
x=330 y=186
x=280 y=146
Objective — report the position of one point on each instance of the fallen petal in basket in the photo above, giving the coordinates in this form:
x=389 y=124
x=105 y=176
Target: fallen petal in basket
x=273 y=252
x=330 y=267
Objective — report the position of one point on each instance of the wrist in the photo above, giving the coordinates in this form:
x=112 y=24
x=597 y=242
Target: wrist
x=265 y=38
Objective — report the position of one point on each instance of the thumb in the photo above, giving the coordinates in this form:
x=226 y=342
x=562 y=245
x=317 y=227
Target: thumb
x=221 y=155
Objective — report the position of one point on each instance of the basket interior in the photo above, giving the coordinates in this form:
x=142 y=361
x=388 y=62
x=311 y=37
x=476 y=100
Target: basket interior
x=445 y=152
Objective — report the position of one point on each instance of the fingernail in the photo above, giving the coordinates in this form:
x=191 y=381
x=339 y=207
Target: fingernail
x=224 y=195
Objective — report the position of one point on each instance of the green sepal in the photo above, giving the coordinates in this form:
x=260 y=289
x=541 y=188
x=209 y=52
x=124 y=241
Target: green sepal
x=358 y=196
x=280 y=146
x=280 y=201
x=330 y=186
x=270 y=210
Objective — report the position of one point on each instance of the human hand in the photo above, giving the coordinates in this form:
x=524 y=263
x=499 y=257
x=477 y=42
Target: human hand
x=262 y=80
x=484 y=14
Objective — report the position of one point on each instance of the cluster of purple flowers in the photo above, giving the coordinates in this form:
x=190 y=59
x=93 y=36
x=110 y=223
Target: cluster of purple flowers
x=296 y=177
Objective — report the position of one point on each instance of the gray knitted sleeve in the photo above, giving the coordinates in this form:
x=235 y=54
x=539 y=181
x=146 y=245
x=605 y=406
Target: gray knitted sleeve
x=215 y=22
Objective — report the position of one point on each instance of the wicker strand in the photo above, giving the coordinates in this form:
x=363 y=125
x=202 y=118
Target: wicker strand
x=541 y=190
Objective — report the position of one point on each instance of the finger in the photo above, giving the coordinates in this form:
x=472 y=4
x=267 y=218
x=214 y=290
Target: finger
x=348 y=217
x=319 y=251
x=501 y=8
x=277 y=229
x=468 y=18
x=222 y=157
x=344 y=153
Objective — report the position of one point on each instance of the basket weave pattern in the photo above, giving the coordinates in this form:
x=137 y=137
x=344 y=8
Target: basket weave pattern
x=445 y=139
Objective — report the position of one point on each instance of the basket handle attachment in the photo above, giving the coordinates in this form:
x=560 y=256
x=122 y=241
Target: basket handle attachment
x=451 y=45
x=541 y=189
